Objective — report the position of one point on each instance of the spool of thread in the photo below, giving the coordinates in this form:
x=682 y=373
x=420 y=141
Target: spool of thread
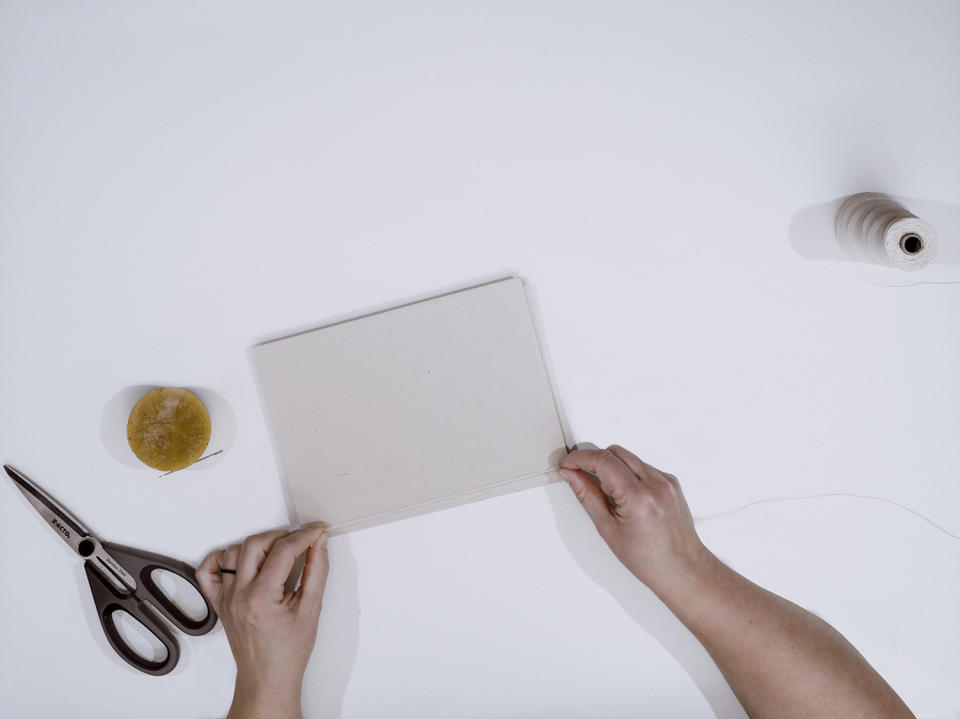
x=875 y=228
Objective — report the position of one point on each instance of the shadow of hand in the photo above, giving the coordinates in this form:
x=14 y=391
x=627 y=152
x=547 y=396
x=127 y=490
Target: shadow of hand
x=335 y=653
x=598 y=562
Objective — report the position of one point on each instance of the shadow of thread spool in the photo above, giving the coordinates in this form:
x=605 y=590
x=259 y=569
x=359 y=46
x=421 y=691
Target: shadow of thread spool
x=116 y=412
x=812 y=230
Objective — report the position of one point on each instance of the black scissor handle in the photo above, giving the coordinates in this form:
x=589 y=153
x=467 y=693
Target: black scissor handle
x=108 y=602
x=142 y=564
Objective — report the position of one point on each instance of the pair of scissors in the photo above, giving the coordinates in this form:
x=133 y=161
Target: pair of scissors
x=121 y=578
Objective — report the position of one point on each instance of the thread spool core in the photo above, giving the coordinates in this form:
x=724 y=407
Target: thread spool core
x=911 y=244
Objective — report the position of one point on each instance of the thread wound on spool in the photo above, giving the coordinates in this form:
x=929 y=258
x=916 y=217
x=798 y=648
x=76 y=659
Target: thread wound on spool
x=874 y=228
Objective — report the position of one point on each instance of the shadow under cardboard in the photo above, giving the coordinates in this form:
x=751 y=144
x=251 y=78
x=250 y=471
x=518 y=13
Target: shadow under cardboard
x=533 y=301
x=813 y=235
x=598 y=562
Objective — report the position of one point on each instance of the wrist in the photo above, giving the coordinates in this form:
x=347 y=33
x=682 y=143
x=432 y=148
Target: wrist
x=256 y=694
x=687 y=580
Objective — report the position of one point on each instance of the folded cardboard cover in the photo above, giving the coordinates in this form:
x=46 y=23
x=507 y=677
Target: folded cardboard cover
x=418 y=408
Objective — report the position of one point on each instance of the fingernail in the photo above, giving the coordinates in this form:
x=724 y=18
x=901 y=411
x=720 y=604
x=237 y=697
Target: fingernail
x=323 y=540
x=566 y=474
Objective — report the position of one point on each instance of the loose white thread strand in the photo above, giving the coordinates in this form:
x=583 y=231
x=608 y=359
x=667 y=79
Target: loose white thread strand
x=823 y=495
x=798 y=498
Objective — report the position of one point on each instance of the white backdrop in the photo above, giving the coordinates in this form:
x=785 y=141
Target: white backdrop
x=181 y=180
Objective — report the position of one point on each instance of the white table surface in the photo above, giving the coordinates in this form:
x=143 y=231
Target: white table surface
x=181 y=180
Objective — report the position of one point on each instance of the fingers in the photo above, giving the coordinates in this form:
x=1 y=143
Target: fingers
x=590 y=495
x=633 y=462
x=314 y=579
x=223 y=571
x=253 y=552
x=653 y=477
x=228 y=560
x=285 y=551
x=617 y=480
x=209 y=579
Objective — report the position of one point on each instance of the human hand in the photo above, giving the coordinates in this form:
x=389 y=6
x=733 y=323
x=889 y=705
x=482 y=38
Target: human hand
x=271 y=631
x=640 y=512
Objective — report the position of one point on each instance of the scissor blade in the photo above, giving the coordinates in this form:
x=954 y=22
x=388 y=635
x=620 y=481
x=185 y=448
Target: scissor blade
x=57 y=517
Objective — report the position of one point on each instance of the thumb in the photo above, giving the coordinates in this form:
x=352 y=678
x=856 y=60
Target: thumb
x=592 y=498
x=314 y=578
x=208 y=577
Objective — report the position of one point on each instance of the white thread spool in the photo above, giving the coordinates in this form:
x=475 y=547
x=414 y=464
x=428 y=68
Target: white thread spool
x=875 y=228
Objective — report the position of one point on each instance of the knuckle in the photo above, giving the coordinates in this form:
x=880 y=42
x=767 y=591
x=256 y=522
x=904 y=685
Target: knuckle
x=605 y=457
x=251 y=543
x=645 y=503
x=284 y=548
x=621 y=498
x=281 y=544
x=274 y=536
x=653 y=511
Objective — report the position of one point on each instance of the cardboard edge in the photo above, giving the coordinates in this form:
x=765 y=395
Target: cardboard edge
x=516 y=484
x=529 y=292
x=292 y=516
x=382 y=309
x=485 y=492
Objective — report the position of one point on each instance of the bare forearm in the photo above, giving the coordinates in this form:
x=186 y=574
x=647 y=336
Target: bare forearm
x=779 y=659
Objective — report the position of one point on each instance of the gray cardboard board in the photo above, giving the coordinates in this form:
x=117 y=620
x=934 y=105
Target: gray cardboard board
x=414 y=409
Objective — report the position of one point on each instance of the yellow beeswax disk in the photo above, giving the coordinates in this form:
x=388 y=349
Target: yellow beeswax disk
x=168 y=429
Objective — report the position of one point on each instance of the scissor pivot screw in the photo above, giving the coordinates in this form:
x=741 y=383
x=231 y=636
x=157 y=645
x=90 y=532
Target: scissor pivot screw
x=86 y=548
